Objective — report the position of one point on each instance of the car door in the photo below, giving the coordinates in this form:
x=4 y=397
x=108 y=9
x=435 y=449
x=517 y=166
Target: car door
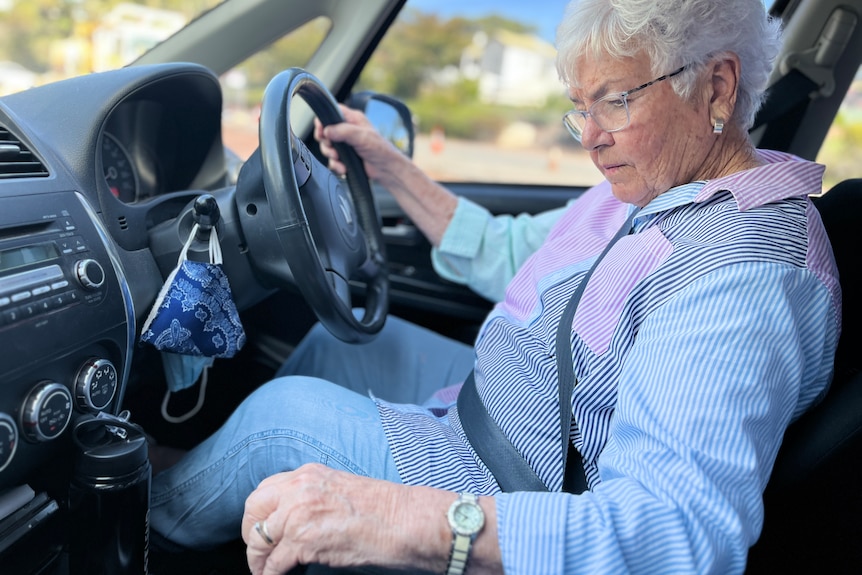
x=487 y=104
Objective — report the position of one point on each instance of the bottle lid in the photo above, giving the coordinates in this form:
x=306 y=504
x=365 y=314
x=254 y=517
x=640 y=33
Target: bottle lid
x=108 y=448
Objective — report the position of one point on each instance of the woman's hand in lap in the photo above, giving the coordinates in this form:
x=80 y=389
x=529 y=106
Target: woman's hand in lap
x=318 y=515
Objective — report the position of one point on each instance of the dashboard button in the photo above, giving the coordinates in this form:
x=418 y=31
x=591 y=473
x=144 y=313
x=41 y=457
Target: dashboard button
x=21 y=296
x=11 y=316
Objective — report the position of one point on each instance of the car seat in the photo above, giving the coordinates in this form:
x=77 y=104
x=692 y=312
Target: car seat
x=813 y=501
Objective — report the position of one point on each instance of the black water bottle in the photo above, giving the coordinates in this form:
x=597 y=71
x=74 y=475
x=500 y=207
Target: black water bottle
x=109 y=499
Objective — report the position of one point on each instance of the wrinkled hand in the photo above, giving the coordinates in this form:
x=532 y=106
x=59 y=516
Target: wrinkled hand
x=376 y=152
x=319 y=515
x=429 y=205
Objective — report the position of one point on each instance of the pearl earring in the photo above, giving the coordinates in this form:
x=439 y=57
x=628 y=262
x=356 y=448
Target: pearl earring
x=718 y=127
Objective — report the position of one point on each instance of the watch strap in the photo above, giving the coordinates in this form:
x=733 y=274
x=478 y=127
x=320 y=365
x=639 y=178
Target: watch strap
x=462 y=542
x=461 y=545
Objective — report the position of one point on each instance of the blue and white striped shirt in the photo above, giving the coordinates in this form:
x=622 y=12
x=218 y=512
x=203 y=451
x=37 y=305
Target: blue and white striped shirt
x=699 y=338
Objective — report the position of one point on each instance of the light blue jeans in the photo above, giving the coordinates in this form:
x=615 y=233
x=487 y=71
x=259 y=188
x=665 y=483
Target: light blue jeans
x=317 y=409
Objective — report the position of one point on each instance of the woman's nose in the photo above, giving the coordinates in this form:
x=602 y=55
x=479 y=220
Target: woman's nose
x=592 y=136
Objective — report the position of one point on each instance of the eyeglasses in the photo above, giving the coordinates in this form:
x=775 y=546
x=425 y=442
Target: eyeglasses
x=610 y=113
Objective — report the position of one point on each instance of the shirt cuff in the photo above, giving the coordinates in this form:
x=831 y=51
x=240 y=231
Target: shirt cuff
x=461 y=241
x=463 y=236
x=531 y=530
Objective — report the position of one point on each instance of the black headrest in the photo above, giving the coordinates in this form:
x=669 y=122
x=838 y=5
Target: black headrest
x=833 y=427
x=840 y=210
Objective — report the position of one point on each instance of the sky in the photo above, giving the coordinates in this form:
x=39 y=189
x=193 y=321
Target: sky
x=549 y=14
x=545 y=19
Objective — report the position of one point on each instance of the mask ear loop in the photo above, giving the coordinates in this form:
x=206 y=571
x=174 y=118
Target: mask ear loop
x=215 y=248
x=215 y=257
x=169 y=280
x=202 y=392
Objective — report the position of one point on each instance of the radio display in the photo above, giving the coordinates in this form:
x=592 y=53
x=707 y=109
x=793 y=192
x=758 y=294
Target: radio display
x=26 y=255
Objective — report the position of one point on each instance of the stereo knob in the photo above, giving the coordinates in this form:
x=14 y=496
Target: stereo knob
x=46 y=411
x=90 y=273
x=8 y=440
x=96 y=384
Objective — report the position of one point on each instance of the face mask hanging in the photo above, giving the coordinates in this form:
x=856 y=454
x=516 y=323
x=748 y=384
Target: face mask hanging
x=194 y=319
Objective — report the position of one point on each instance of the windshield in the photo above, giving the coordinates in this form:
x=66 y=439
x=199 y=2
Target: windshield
x=42 y=41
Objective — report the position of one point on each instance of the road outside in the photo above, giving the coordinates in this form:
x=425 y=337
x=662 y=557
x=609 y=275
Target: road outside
x=467 y=161
x=452 y=160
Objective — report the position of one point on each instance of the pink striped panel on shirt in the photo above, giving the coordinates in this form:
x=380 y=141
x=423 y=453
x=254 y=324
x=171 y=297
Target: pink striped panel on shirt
x=598 y=214
x=629 y=261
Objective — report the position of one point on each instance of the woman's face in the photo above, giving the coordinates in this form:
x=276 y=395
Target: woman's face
x=667 y=142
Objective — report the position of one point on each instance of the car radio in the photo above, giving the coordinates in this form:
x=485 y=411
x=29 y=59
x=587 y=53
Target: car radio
x=60 y=277
x=66 y=329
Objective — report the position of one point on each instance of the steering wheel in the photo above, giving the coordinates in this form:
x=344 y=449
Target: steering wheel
x=329 y=233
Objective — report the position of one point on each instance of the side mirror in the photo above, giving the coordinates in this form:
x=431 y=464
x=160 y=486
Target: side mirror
x=390 y=116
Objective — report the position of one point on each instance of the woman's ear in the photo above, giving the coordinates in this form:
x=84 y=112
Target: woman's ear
x=723 y=84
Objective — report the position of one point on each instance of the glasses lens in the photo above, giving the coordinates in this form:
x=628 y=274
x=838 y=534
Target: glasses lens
x=574 y=123
x=611 y=115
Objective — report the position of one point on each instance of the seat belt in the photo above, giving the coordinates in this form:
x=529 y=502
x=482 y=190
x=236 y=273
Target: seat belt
x=795 y=89
x=503 y=460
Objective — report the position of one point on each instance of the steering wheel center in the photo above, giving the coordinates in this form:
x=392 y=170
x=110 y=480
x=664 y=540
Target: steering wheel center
x=327 y=228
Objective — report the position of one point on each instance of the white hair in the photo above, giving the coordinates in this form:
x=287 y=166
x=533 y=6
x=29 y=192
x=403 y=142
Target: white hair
x=676 y=33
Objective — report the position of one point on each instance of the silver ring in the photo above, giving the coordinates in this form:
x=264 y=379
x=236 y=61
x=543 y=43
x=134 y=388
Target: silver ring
x=261 y=529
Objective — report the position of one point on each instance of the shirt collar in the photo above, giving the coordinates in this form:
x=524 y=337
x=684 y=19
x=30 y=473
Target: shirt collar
x=674 y=197
x=781 y=176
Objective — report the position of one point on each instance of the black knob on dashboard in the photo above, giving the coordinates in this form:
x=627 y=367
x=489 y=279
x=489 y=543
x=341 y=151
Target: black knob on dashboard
x=90 y=273
x=206 y=211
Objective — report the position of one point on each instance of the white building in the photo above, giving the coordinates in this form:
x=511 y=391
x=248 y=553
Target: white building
x=128 y=31
x=512 y=69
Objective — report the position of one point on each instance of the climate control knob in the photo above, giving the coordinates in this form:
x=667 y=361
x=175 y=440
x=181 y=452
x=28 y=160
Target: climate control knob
x=96 y=384
x=90 y=273
x=46 y=411
x=8 y=440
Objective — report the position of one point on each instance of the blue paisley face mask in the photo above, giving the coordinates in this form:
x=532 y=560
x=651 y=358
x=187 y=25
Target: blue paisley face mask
x=194 y=318
x=182 y=371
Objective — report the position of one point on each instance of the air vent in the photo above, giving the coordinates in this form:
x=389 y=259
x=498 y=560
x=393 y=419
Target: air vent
x=16 y=160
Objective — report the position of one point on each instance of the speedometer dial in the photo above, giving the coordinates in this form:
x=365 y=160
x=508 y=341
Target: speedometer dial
x=119 y=171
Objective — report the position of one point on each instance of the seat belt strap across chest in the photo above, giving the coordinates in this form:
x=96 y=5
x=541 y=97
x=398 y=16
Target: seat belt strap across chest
x=505 y=462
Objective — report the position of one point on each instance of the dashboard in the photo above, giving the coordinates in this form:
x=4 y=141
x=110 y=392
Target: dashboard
x=90 y=169
x=121 y=171
x=152 y=146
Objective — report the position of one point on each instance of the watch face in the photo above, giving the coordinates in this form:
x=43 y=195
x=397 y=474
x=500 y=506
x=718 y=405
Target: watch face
x=467 y=518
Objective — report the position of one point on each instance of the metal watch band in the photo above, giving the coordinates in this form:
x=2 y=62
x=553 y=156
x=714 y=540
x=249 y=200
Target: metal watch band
x=461 y=545
x=463 y=534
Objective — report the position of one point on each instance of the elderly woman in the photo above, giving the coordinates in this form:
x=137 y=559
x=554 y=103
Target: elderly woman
x=700 y=336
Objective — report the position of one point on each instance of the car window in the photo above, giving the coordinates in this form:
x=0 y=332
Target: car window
x=481 y=81
x=48 y=40
x=243 y=86
x=43 y=41
x=841 y=151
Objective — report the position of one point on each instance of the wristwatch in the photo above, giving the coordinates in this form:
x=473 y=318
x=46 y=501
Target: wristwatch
x=466 y=519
